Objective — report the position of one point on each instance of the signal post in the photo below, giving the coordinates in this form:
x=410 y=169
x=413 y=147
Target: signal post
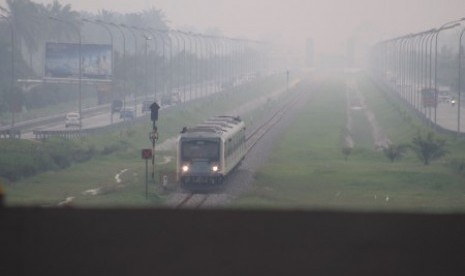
x=147 y=154
x=154 y=134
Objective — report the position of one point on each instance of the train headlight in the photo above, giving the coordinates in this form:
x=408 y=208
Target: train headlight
x=185 y=168
x=215 y=168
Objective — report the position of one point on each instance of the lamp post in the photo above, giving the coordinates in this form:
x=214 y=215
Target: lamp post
x=170 y=79
x=460 y=81
x=124 y=56
x=12 y=102
x=202 y=54
x=112 y=56
x=197 y=64
x=427 y=63
x=158 y=33
x=135 y=60
x=443 y=27
x=189 y=36
x=78 y=30
x=176 y=69
x=183 y=35
x=146 y=74
x=209 y=63
x=405 y=66
x=100 y=23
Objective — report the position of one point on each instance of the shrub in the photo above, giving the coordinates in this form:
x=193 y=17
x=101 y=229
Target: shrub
x=428 y=148
x=346 y=151
x=118 y=146
x=458 y=165
x=395 y=152
x=22 y=158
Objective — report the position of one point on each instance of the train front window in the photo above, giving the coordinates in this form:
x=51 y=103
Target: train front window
x=200 y=149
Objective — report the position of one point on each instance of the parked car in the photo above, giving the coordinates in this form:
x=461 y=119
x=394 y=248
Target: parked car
x=72 y=119
x=127 y=113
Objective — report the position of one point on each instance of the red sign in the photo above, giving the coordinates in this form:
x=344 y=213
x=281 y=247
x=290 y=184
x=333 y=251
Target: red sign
x=146 y=153
x=429 y=97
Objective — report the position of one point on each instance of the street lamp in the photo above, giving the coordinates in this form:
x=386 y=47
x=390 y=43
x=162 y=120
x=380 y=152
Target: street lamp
x=124 y=55
x=100 y=23
x=147 y=38
x=12 y=108
x=190 y=69
x=428 y=61
x=443 y=27
x=175 y=67
x=158 y=33
x=135 y=85
x=78 y=30
x=460 y=81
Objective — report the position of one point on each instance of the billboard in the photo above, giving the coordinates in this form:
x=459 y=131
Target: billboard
x=62 y=60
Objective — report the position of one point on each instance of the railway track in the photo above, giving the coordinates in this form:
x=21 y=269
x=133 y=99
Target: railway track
x=253 y=137
x=196 y=200
x=193 y=201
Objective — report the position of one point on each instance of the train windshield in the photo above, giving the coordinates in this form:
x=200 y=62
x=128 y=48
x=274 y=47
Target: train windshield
x=200 y=149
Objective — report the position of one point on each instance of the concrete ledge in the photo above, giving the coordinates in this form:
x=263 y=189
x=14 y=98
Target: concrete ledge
x=225 y=242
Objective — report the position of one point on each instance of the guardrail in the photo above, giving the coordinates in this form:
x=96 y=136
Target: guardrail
x=55 y=118
x=10 y=134
x=77 y=133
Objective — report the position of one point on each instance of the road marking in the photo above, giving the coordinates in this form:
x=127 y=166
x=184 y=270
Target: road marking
x=118 y=175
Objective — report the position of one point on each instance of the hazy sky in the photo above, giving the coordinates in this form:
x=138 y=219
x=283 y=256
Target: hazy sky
x=329 y=22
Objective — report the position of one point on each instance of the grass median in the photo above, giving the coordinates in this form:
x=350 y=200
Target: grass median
x=307 y=170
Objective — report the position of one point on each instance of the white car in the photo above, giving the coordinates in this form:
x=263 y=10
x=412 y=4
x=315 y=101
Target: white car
x=72 y=119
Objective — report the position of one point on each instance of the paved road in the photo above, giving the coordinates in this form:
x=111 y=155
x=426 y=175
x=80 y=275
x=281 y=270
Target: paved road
x=447 y=117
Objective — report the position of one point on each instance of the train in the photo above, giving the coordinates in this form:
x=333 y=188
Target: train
x=208 y=152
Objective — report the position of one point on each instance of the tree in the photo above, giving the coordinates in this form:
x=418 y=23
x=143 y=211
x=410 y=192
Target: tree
x=59 y=31
x=24 y=16
x=428 y=148
x=395 y=152
x=33 y=27
x=346 y=151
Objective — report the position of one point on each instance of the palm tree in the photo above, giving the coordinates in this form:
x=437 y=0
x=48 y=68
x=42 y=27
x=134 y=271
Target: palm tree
x=60 y=31
x=24 y=16
x=33 y=27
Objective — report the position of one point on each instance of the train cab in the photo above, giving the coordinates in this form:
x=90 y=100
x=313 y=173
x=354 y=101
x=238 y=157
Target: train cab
x=209 y=151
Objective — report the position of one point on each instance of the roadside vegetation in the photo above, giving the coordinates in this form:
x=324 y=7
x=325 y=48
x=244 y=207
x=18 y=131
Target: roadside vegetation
x=308 y=170
x=107 y=170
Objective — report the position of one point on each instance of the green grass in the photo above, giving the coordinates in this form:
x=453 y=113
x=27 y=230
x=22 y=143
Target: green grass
x=307 y=169
x=49 y=188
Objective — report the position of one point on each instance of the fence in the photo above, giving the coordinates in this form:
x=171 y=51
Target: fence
x=10 y=134
x=77 y=133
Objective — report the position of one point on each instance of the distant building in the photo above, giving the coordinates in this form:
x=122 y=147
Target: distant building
x=310 y=53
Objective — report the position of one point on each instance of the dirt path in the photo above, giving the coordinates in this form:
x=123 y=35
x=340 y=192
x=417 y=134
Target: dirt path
x=356 y=103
